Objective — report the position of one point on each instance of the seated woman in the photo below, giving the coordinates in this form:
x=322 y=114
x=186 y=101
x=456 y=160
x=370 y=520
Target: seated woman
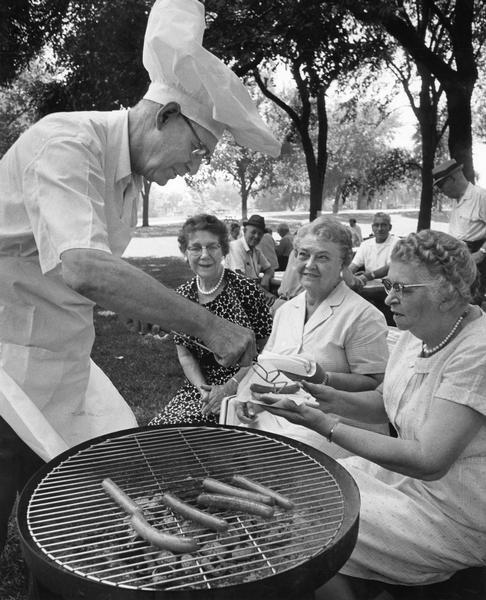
x=327 y=322
x=204 y=242
x=422 y=513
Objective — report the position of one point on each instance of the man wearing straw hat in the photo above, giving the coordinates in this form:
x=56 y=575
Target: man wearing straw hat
x=468 y=213
x=69 y=188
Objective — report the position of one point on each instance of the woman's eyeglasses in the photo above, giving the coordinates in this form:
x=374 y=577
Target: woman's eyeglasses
x=197 y=249
x=398 y=287
x=201 y=151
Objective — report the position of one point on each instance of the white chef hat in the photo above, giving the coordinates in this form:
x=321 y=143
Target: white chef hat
x=182 y=71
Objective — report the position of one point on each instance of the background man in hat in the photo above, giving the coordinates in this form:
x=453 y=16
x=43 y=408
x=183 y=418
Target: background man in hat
x=244 y=256
x=468 y=213
x=69 y=188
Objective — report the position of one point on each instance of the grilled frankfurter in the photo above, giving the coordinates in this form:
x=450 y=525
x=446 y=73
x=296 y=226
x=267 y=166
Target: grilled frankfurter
x=236 y=504
x=218 y=487
x=194 y=514
x=254 y=486
x=175 y=543
x=119 y=496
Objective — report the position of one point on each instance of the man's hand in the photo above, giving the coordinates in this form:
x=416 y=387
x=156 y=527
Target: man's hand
x=231 y=344
x=357 y=283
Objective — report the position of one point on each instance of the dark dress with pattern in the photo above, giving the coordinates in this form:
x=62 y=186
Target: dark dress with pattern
x=242 y=301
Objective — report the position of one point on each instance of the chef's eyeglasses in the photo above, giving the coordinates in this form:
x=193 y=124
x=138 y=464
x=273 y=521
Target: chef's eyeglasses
x=399 y=287
x=270 y=377
x=197 y=249
x=201 y=151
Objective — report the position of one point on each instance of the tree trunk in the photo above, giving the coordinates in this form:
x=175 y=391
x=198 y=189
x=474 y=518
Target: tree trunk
x=363 y=199
x=460 y=126
x=145 y=202
x=427 y=116
x=244 y=193
x=337 y=198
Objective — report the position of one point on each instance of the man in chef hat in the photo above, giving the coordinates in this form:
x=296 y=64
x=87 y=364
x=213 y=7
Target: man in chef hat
x=69 y=188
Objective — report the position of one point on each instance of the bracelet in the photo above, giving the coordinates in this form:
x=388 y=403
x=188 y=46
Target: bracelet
x=482 y=250
x=330 y=434
x=235 y=380
x=325 y=380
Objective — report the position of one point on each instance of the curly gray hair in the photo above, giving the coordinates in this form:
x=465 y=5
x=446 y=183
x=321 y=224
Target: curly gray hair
x=330 y=229
x=446 y=258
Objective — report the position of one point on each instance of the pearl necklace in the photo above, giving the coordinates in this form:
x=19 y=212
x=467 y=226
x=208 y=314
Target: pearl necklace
x=212 y=290
x=426 y=352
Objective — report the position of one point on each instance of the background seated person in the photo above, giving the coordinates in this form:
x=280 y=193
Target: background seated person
x=328 y=322
x=422 y=514
x=371 y=262
x=244 y=257
x=285 y=245
x=267 y=246
x=234 y=229
x=356 y=235
x=203 y=240
x=372 y=258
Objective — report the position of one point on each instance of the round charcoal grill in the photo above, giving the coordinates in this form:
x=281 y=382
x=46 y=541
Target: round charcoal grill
x=79 y=544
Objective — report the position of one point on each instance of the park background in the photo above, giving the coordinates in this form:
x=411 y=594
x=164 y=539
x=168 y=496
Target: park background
x=365 y=96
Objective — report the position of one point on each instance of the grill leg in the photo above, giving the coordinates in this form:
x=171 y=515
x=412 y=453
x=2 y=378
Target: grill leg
x=37 y=591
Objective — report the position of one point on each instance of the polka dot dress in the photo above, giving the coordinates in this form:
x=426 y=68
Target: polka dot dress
x=241 y=301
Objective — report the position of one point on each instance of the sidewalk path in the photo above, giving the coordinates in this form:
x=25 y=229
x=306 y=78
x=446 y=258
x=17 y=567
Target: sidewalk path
x=167 y=246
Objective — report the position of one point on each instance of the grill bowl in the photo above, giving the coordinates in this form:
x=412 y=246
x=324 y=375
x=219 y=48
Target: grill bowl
x=68 y=525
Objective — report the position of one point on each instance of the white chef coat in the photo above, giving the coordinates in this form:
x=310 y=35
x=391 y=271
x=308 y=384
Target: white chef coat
x=66 y=183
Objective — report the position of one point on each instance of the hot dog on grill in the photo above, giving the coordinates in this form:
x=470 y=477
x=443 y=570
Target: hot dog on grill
x=218 y=487
x=194 y=514
x=119 y=496
x=236 y=504
x=175 y=543
x=254 y=486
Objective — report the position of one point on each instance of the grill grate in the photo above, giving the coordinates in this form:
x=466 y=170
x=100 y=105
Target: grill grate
x=78 y=526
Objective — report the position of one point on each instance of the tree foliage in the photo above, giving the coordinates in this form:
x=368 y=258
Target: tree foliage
x=19 y=100
x=318 y=45
x=101 y=49
x=250 y=171
x=444 y=39
x=25 y=28
x=362 y=161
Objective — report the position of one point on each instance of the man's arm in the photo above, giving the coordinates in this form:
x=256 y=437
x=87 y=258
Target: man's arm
x=114 y=284
x=267 y=277
x=376 y=274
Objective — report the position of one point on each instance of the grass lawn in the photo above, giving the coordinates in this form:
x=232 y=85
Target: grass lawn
x=144 y=369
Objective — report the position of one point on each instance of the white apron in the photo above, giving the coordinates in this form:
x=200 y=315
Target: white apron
x=52 y=394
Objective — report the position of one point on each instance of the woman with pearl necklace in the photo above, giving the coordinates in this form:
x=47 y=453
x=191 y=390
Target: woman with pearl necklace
x=204 y=242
